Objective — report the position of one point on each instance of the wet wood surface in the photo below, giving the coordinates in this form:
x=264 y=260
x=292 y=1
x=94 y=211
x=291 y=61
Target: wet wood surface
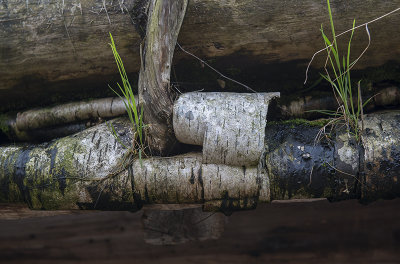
x=316 y=232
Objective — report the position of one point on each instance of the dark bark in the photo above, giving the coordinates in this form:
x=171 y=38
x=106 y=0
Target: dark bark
x=155 y=93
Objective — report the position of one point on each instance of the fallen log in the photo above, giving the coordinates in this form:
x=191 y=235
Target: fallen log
x=69 y=172
x=307 y=106
x=74 y=172
x=58 y=121
x=46 y=44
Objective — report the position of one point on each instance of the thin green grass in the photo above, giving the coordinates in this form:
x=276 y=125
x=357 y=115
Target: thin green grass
x=350 y=109
x=135 y=115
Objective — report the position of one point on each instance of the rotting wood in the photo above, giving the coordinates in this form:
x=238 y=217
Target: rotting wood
x=155 y=93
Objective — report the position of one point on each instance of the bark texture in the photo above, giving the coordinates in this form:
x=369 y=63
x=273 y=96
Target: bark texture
x=185 y=179
x=44 y=43
x=172 y=224
x=59 y=121
x=229 y=126
x=299 y=105
x=70 y=172
x=70 y=113
x=74 y=172
x=155 y=93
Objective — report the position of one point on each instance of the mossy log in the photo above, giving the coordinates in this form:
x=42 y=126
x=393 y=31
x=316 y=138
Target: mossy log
x=85 y=171
x=70 y=172
x=58 y=48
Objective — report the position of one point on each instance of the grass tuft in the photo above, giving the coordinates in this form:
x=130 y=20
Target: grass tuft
x=337 y=73
x=135 y=115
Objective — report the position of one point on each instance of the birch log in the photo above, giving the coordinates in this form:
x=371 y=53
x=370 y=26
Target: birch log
x=229 y=126
x=43 y=124
x=73 y=172
x=301 y=105
x=70 y=172
x=155 y=93
x=69 y=113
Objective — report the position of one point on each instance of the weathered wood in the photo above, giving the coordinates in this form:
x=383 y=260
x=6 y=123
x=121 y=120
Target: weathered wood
x=172 y=224
x=155 y=93
x=44 y=43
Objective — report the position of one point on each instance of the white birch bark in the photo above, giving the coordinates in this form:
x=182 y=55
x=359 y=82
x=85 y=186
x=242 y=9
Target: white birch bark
x=229 y=126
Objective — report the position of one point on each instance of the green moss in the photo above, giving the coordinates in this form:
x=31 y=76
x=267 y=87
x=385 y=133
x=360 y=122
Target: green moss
x=387 y=72
x=301 y=122
x=44 y=186
x=14 y=193
x=302 y=193
x=4 y=124
x=328 y=193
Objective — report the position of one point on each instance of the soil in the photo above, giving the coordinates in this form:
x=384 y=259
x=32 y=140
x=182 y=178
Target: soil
x=280 y=232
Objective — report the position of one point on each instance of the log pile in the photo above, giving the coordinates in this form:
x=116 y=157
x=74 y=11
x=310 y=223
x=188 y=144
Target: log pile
x=74 y=172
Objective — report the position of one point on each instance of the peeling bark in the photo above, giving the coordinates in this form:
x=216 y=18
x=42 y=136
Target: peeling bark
x=73 y=172
x=229 y=126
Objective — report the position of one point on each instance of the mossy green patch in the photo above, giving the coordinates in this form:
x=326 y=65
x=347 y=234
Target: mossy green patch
x=4 y=124
x=301 y=122
x=390 y=71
